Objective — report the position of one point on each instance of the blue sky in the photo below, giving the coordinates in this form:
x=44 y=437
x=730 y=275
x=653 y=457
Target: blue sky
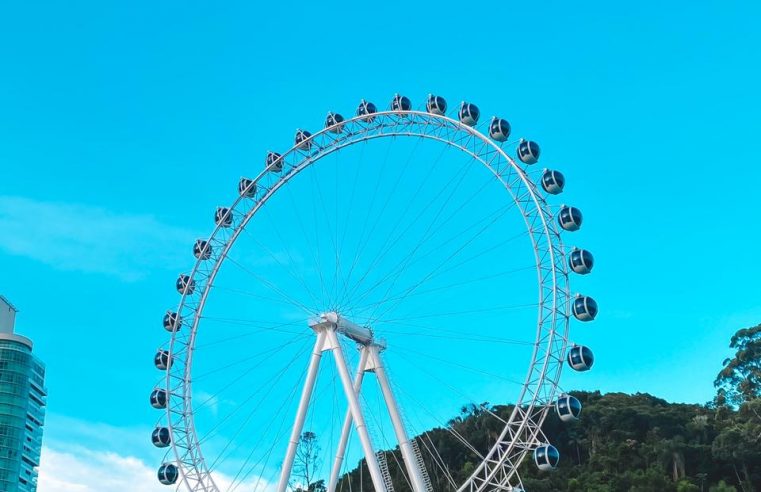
x=112 y=112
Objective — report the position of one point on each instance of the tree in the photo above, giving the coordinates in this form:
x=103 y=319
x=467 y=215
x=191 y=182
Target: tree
x=686 y=486
x=318 y=486
x=740 y=379
x=739 y=443
x=722 y=487
x=305 y=465
x=739 y=386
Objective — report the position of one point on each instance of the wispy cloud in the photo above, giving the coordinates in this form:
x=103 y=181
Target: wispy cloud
x=90 y=471
x=70 y=236
x=82 y=456
x=84 y=470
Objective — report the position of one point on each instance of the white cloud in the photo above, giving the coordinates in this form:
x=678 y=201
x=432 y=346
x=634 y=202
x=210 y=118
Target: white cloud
x=82 y=470
x=81 y=456
x=91 y=239
x=89 y=471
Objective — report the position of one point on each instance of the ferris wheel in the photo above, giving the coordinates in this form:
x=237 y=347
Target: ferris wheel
x=413 y=244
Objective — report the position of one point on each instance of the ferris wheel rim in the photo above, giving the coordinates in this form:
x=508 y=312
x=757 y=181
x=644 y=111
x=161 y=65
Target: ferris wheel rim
x=402 y=118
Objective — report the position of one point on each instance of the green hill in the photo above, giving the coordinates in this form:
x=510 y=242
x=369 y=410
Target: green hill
x=627 y=443
x=622 y=443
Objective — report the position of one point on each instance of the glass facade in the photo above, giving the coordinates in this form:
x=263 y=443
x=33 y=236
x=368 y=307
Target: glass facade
x=22 y=415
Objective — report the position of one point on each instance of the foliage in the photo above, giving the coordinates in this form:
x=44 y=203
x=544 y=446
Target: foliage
x=626 y=443
x=739 y=444
x=722 y=487
x=318 y=486
x=740 y=379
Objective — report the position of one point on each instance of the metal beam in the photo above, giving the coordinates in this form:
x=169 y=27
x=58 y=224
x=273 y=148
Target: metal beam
x=408 y=454
x=356 y=411
x=298 y=425
x=341 y=451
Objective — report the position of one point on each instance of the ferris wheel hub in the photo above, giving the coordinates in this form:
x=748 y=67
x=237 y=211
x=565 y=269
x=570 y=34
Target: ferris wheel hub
x=363 y=335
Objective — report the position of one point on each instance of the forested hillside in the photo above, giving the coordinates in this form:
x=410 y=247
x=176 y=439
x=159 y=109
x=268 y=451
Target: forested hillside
x=627 y=443
x=623 y=443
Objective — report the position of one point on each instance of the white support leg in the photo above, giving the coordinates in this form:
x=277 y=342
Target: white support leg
x=356 y=412
x=408 y=455
x=301 y=413
x=341 y=452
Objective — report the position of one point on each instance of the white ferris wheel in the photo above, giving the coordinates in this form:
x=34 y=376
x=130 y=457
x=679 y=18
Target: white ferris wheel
x=416 y=245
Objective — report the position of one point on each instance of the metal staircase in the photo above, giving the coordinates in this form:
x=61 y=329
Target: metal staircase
x=421 y=465
x=383 y=464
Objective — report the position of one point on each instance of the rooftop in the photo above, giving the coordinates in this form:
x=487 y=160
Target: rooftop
x=4 y=302
x=8 y=322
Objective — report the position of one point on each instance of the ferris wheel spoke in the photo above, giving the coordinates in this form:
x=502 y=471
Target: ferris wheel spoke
x=418 y=405
x=241 y=477
x=277 y=439
x=232 y=383
x=317 y=251
x=263 y=435
x=389 y=243
x=366 y=235
x=271 y=286
x=418 y=353
x=257 y=323
x=267 y=389
x=448 y=287
x=395 y=273
x=468 y=201
x=437 y=331
x=432 y=333
x=468 y=312
x=229 y=448
x=384 y=207
x=326 y=226
x=490 y=219
x=480 y=254
x=269 y=351
x=349 y=209
x=408 y=291
x=275 y=258
x=260 y=329
x=392 y=237
x=433 y=272
x=480 y=405
x=241 y=292
x=328 y=385
x=314 y=251
x=373 y=197
x=337 y=249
